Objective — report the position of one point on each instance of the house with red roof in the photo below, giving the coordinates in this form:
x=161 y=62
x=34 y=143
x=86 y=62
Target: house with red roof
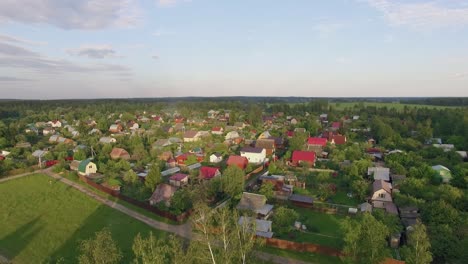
x=217 y=131
x=299 y=157
x=181 y=159
x=316 y=144
x=208 y=173
x=238 y=161
x=178 y=179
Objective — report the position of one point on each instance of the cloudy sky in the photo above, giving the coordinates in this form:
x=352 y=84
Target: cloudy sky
x=52 y=49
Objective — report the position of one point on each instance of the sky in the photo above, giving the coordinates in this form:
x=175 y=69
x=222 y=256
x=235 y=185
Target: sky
x=57 y=49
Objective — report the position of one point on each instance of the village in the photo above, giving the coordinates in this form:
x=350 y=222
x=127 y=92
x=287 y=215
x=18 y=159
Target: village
x=297 y=176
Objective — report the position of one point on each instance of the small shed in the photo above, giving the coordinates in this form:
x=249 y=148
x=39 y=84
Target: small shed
x=302 y=200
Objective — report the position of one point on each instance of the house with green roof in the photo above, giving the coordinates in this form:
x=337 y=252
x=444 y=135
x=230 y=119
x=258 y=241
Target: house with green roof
x=443 y=172
x=87 y=167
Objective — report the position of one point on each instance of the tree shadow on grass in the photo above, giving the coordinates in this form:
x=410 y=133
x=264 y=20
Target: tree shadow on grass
x=123 y=229
x=19 y=239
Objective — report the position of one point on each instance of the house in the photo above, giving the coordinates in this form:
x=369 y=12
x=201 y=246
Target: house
x=55 y=123
x=166 y=155
x=239 y=125
x=255 y=203
x=379 y=173
x=74 y=165
x=23 y=145
x=409 y=215
x=381 y=193
x=31 y=129
x=119 y=153
x=178 y=179
x=217 y=131
x=365 y=207
x=335 y=126
x=267 y=144
x=179 y=127
x=157 y=118
x=107 y=140
x=253 y=155
x=54 y=138
x=445 y=147
x=191 y=136
x=443 y=172
x=232 y=135
x=262 y=227
x=264 y=135
x=299 y=157
x=300 y=130
x=238 y=161
x=163 y=193
x=115 y=128
x=182 y=158
x=463 y=154
x=213 y=114
x=207 y=173
x=216 y=158
x=132 y=125
x=95 y=131
x=161 y=143
x=170 y=171
x=37 y=153
x=338 y=139
x=86 y=167
x=375 y=153
x=302 y=200
x=316 y=144
x=48 y=131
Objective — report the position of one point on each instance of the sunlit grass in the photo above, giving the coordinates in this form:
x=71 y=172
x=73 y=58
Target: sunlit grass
x=43 y=220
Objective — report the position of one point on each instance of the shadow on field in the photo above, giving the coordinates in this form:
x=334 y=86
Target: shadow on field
x=123 y=229
x=20 y=238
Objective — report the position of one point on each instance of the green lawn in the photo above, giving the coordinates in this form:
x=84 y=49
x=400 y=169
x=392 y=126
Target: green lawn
x=323 y=229
x=43 y=220
x=341 y=197
x=397 y=106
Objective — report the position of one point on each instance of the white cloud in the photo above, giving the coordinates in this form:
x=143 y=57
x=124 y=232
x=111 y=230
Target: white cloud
x=422 y=15
x=93 y=51
x=14 y=79
x=170 y=3
x=15 y=57
x=163 y=32
x=155 y=57
x=12 y=39
x=71 y=14
x=461 y=75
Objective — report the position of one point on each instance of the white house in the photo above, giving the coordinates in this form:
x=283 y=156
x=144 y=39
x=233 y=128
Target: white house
x=55 y=123
x=216 y=158
x=107 y=140
x=191 y=136
x=232 y=135
x=253 y=155
x=86 y=167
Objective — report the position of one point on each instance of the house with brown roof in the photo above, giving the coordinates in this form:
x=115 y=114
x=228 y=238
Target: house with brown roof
x=115 y=128
x=191 y=136
x=238 y=161
x=382 y=196
x=178 y=179
x=119 y=153
x=217 y=131
x=163 y=193
x=268 y=144
x=255 y=203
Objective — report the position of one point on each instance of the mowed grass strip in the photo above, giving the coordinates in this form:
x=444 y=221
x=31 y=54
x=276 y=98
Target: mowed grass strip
x=42 y=220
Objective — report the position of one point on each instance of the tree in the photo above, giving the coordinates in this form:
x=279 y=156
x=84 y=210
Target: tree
x=365 y=239
x=417 y=250
x=158 y=251
x=223 y=239
x=79 y=155
x=153 y=178
x=100 y=250
x=360 y=188
x=130 y=177
x=283 y=220
x=233 y=181
x=267 y=189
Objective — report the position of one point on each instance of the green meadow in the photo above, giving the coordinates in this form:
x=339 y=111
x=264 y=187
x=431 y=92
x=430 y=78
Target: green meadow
x=43 y=220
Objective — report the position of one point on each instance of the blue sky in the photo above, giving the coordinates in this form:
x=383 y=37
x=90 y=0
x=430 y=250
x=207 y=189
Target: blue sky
x=156 y=48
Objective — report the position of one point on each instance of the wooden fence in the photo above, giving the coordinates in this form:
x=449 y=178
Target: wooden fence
x=302 y=247
x=143 y=205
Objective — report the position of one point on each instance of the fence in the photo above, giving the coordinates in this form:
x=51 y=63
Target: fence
x=146 y=206
x=302 y=247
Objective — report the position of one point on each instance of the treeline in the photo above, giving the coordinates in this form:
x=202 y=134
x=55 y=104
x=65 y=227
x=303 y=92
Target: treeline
x=449 y=101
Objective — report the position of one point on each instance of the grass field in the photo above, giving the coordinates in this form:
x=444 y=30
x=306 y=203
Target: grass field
x=305 y=256
x=397 y=106
x=43 y=220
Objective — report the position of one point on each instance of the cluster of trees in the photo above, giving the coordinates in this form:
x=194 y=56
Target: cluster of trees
x=219 y=238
